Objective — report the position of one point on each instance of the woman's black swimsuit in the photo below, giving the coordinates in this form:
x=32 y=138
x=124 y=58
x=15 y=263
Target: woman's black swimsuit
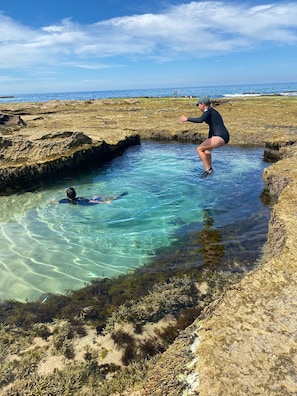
x=215 y=122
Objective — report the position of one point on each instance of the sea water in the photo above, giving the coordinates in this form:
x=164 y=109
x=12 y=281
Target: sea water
x=49 y=248
x=224 y=91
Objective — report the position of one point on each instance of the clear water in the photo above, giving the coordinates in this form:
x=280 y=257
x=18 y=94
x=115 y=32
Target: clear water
x=47 y=248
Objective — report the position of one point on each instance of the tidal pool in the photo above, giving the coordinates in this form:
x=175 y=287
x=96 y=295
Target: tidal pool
x=47 y=248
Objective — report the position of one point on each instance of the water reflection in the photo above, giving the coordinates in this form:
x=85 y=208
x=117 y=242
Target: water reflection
x=211 y=241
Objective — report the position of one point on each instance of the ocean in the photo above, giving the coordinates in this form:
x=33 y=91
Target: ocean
x=225 y=91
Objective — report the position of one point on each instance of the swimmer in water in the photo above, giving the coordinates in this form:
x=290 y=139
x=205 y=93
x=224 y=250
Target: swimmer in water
x=74 y=200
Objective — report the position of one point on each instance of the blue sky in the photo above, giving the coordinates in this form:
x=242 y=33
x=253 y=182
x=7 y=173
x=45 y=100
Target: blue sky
x=92 y=45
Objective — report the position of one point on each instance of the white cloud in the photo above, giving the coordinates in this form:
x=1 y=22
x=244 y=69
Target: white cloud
x=197 y=29
x=11 y=31
x=7 y=79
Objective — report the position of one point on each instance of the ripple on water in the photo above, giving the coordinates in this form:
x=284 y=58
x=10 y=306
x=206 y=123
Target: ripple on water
x=46 y=248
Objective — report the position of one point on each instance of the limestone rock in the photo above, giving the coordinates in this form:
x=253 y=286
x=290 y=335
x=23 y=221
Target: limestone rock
x=20 y=150
x=11 y=120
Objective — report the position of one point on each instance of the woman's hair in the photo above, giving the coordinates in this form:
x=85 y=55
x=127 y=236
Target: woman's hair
x=70 y=192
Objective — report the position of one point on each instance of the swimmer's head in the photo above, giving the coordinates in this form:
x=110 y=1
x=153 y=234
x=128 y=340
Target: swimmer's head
x=70 y=192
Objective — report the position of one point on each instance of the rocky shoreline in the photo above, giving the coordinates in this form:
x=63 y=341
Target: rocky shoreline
x=244 y=342
x=38 y=140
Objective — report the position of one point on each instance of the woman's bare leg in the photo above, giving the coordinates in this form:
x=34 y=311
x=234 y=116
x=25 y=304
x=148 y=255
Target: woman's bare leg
x=204 y=149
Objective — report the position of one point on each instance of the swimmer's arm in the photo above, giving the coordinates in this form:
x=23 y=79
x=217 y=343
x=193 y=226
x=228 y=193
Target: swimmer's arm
x=99 y=202
x=54 y=202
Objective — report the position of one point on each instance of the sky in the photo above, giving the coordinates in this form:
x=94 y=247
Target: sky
x=96 y=45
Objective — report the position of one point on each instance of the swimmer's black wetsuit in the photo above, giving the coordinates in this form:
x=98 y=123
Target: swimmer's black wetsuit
x=215 y=122
x=79 y=201
x=85 y=201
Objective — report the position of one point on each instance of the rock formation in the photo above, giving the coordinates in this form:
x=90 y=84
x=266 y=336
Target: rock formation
x=245 y=341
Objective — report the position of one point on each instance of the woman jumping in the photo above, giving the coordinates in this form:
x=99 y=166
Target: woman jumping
x=218 y=134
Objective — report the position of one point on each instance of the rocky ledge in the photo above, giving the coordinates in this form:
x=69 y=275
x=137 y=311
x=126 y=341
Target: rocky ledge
x=35 y=144
x=245 y=341
x=42 y=139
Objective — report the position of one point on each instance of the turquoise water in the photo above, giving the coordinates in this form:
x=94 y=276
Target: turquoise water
x=47 y=248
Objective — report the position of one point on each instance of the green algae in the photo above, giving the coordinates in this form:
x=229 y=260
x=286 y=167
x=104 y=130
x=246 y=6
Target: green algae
x=56 y=321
